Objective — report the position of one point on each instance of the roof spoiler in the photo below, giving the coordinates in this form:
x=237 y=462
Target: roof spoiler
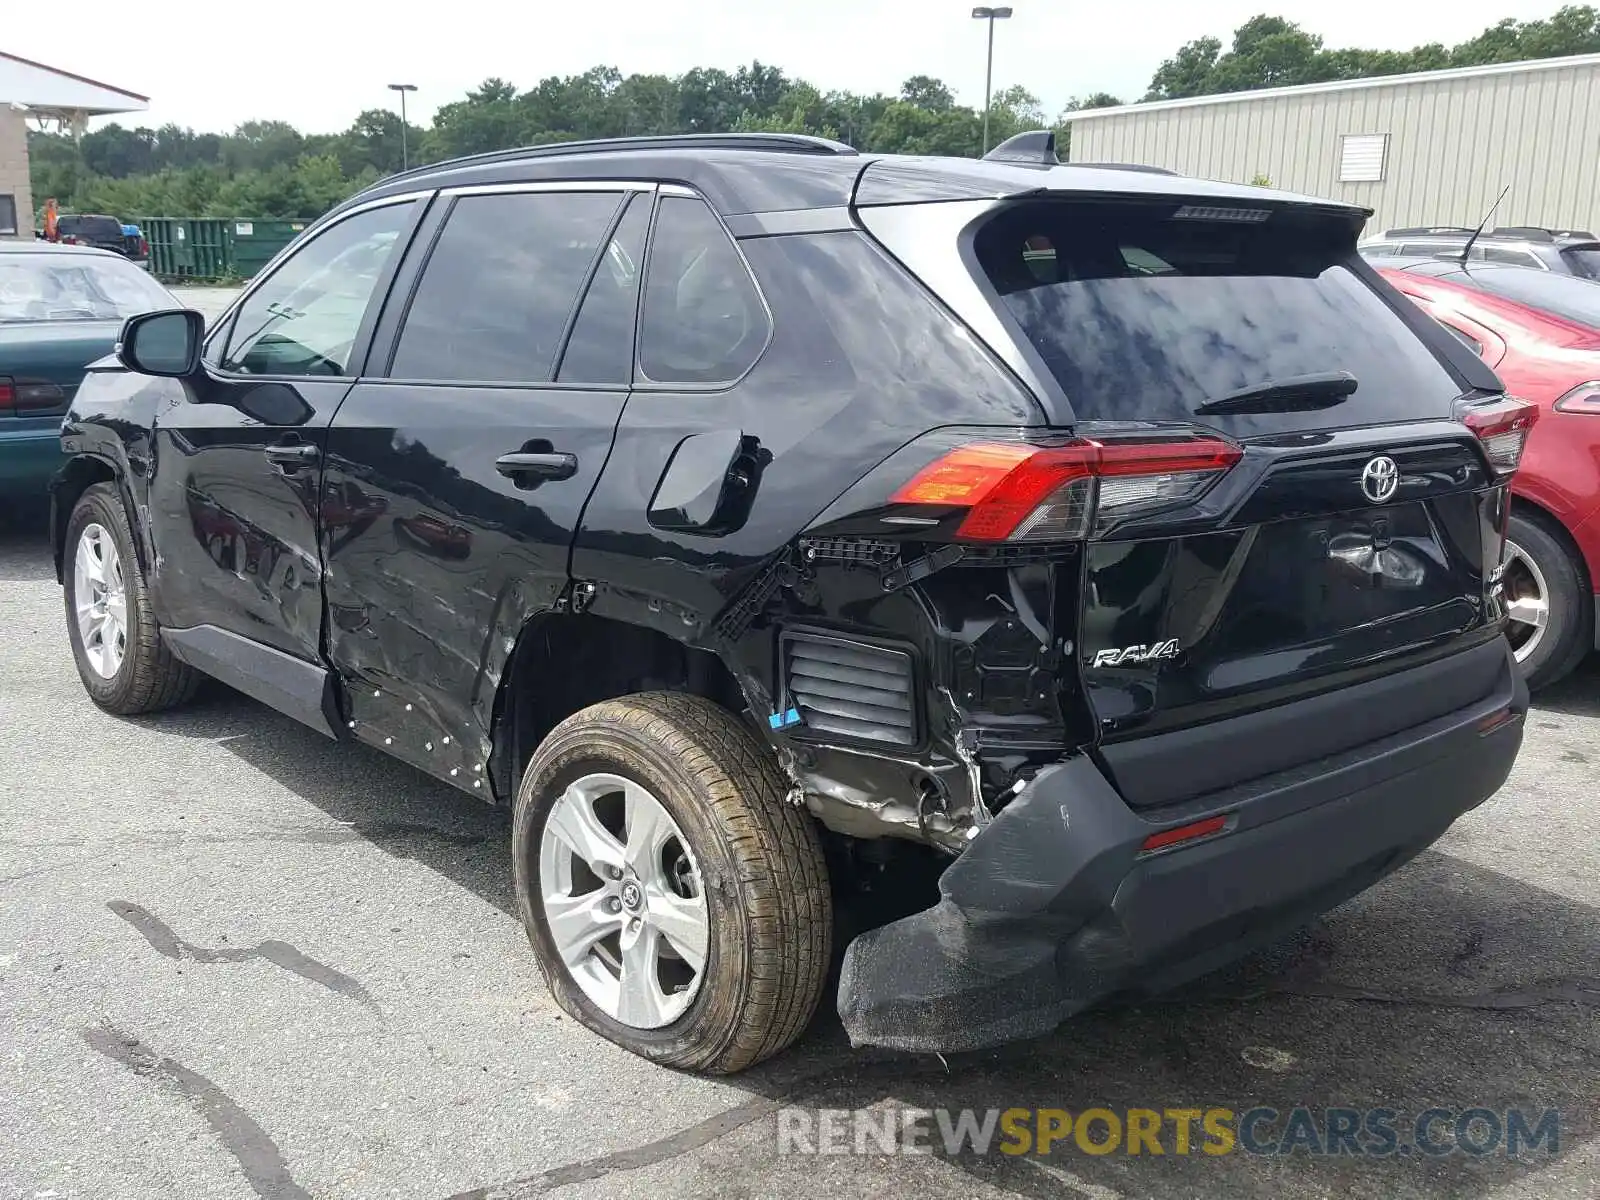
x=1036 y=148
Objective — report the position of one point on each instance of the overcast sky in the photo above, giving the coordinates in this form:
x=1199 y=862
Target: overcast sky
x=211 y=65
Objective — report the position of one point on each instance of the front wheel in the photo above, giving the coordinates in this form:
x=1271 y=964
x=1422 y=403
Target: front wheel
x=116 y=644
x=677 y=903
x=1550 y=617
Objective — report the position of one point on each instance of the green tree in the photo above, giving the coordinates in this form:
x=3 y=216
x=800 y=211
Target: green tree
x=924 y=91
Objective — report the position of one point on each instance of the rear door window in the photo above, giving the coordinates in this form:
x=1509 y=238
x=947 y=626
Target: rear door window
x=495 y=297
x=600 y=350
x=703 y=321
x=1144 y=316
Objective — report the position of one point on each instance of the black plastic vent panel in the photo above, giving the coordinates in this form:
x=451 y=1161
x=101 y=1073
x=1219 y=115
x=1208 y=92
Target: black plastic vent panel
x=850 y=689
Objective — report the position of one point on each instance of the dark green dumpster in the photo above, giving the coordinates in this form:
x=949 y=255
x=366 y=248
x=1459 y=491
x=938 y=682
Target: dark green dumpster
x=255 y=243
x=189 y=247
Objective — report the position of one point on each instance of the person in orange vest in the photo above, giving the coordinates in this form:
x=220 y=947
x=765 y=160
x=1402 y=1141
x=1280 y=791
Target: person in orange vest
x=50 y=212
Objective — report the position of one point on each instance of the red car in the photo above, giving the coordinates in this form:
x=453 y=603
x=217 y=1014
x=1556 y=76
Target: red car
x=1541 y=334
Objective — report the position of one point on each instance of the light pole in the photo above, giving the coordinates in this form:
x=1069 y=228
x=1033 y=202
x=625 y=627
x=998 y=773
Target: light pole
x=405 y=127
x=990 y=15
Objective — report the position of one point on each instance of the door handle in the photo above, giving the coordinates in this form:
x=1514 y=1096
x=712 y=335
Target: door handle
x=524 y=465
x=292 y=454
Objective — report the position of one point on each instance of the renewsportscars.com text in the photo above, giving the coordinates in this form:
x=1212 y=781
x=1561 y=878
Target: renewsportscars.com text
x=1215 y=1131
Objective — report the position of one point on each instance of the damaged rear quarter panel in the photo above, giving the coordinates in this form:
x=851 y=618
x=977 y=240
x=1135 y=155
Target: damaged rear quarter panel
x=862 y=362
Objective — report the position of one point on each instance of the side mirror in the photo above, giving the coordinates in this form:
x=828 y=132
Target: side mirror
x=166 y=344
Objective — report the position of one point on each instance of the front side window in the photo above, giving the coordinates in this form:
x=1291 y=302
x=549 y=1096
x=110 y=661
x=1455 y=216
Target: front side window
x=499 y=287
x=303 y=320
x=703 y=320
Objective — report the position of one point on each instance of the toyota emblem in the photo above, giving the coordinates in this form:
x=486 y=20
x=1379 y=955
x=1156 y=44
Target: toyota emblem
x=1379 y=479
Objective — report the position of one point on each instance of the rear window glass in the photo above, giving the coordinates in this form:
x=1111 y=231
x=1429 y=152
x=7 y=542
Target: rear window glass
x=1575 y=299
x=1141 y=315
x=1584 y=261
x=105 y=228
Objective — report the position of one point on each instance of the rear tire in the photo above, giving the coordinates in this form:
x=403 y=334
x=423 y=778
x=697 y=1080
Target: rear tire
x=116 y=643
x=1543 y=580
x=751 y=862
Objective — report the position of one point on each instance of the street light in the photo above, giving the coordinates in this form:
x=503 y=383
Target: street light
x=405 y=150
x=990 y=15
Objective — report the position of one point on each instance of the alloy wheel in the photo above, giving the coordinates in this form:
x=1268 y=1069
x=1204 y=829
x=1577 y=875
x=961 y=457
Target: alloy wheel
x=1527 y=601
x=624 y=901
x=101 y=599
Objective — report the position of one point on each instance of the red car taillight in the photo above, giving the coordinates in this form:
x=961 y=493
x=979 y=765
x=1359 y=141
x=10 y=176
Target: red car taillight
x=1502 y=427
x=20 y=397
x=144 y=248
x=1017 y=492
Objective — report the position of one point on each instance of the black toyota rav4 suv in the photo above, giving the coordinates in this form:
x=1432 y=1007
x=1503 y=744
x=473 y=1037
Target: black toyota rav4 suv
x=754 y=516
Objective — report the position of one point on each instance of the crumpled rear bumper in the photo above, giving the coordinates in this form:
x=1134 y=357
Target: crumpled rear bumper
x=1054 y=906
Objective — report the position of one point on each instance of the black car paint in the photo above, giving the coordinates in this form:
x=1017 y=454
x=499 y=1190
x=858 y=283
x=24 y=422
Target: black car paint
x=415 y=581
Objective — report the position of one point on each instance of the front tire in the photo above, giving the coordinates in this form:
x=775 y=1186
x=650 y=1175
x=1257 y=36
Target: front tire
x=1551 y=620
x=116 y=643
x=677 y=903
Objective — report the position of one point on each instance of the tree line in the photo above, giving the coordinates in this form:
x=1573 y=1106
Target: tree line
x=270 y=169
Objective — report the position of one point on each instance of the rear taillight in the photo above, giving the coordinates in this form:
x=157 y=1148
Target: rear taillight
x=144 y=248
x=1585 y=398
x=1502 y=427
x=1017 y=492
x=21 y=397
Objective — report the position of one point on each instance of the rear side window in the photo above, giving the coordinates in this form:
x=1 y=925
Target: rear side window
x=497 y=290
x=600 y=349
x=1144 y=316
x=1515 y=258
x=703 y=320
x=1462 y=336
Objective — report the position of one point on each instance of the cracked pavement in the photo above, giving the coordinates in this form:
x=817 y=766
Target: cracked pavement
x=238 y=960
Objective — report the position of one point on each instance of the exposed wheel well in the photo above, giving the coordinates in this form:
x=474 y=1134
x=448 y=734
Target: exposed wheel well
x=77 y=477
x=1553 y=525
x=564 y=662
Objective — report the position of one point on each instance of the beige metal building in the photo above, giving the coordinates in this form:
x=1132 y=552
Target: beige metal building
x=48 y=98
x=1433 y=148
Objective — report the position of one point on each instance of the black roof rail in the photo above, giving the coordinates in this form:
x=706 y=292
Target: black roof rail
x=1428 y=231
x=1526 y=233
x=1109 y=166
x=1577 y=235
x=771 y=143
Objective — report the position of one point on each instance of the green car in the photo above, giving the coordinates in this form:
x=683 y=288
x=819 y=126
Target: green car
x=61 y=308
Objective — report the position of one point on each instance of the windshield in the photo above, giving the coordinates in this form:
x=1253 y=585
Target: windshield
x=1562 y=295
x=75 y=287
x=1584 y=260
x=1144 y=316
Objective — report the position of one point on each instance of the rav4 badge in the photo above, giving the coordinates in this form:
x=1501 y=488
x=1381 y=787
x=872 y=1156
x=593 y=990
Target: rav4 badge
x=1123 y=656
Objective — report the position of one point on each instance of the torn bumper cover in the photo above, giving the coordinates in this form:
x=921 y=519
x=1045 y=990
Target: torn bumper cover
x=1055 y=906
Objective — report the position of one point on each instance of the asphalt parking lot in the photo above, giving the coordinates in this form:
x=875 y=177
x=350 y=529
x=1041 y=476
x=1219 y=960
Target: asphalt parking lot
x=237 y=959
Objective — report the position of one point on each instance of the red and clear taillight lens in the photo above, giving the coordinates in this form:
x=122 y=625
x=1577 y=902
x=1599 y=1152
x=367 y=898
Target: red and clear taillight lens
x=1585 y=398
x=1502 y=427
x=1017 y=492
